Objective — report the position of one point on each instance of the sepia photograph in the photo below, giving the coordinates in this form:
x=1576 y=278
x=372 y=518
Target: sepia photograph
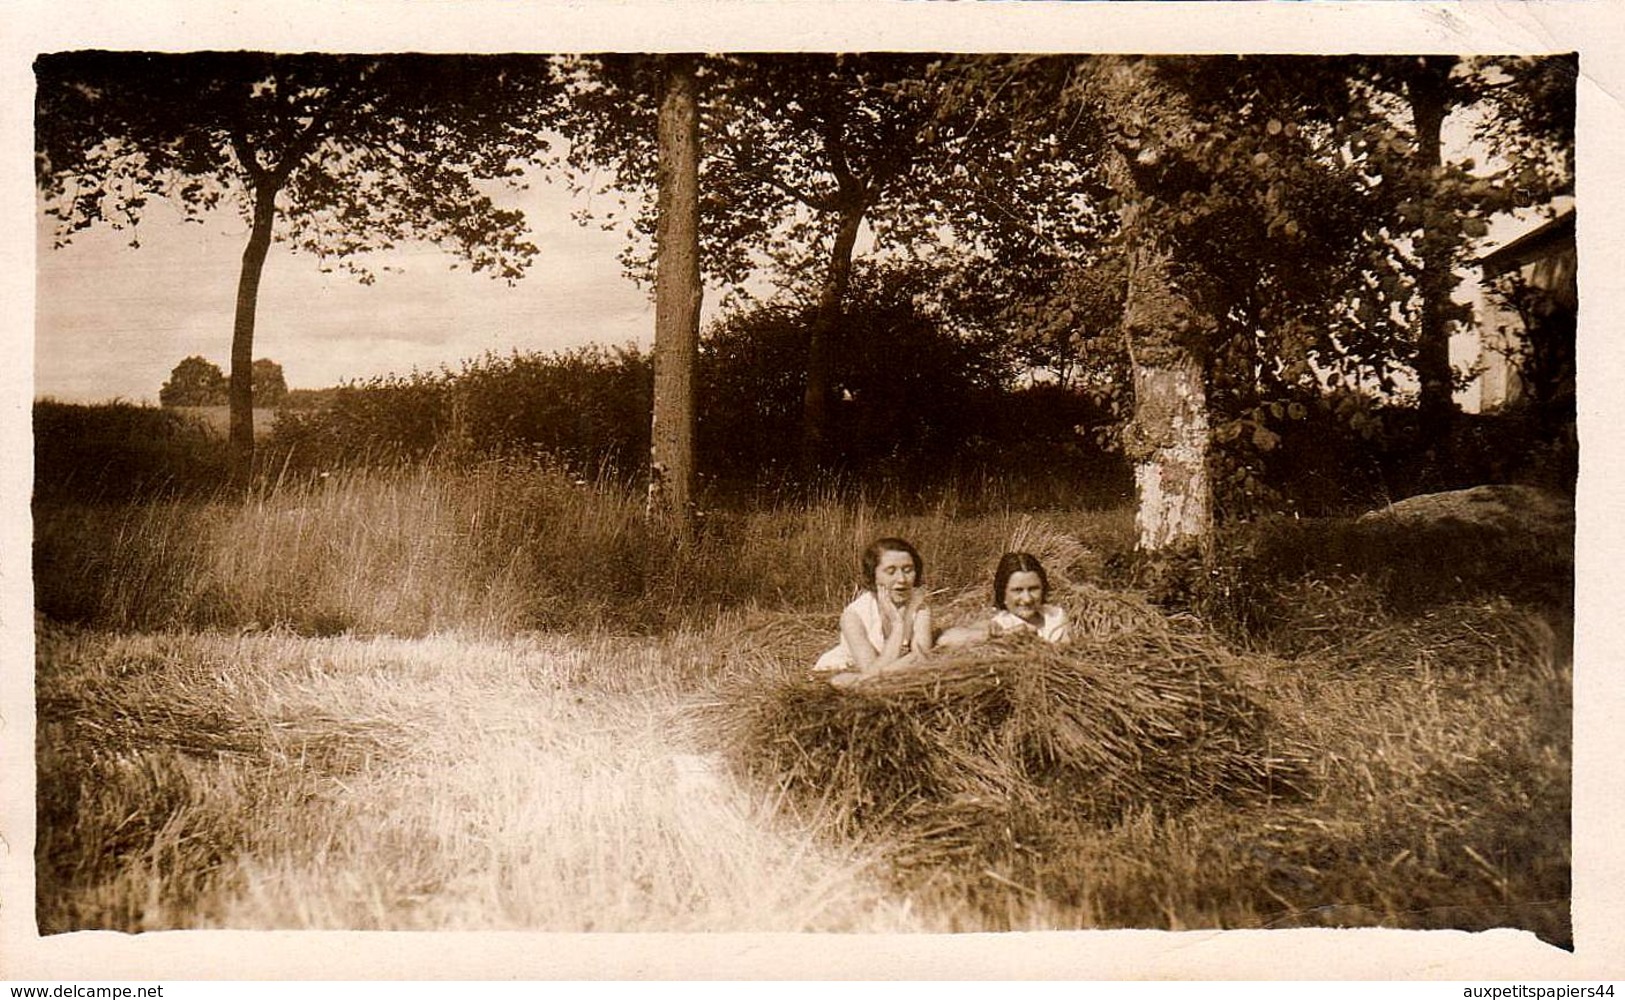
x=833 y=490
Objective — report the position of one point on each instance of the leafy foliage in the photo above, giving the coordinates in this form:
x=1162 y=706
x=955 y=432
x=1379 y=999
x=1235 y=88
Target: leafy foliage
x=363 y=151
x=1286 y=200
x=119 y=452
x=921 y=404
x=196 y=381
x=270 y=385
x=791 y=141
x=910 y=387
x=351 y=153
x=586 y=410
x=380 y=421
x=803 y=154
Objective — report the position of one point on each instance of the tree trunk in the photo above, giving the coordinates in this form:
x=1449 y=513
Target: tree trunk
x=1429 y=97
x=1170 y=471
x=1168 y=439
x=677 y=298
x=1168 y=318
x=816 y=399
x=240 y=436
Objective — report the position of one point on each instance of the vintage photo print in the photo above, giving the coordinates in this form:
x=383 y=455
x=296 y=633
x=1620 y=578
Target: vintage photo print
x=811 y=490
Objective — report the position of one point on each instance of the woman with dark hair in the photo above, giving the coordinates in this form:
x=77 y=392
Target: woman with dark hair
x=888 y=624
x=1021 y=606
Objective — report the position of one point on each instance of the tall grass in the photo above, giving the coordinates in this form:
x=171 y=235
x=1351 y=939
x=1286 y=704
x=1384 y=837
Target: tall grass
x=488 y=549
x=269 y=780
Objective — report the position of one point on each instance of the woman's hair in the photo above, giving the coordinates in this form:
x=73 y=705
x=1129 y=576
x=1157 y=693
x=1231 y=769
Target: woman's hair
x=1012 y=563
x=872 y=554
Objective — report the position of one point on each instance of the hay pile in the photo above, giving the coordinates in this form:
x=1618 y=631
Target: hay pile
x=993 y=752
x=1462 y=639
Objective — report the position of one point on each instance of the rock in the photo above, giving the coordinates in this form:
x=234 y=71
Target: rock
x=1522 y=510
x=1463 y=545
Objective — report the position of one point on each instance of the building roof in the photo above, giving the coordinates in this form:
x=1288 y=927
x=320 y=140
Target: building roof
x=1556 y=234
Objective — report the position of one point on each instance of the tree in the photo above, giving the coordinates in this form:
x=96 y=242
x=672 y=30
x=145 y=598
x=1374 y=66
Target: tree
x=1526 y=112
x=803 y=152
x=1237 y=225
x=905 y=422
x=677 y=297
x=195 y=381
x=351 y=154
x=1431 y=92
x=270 y=387
x=1268 y=214
x=831 y=135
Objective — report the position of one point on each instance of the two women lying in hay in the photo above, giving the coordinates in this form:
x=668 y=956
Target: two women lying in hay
x=995 y=741
x=888 y=626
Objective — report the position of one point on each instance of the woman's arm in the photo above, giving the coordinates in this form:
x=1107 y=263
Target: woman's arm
x=866 y=659
x=898 y=634
x=911 y=628
x=922 y=631
x=856 y=637
x=1061 y=629
x=966 y=635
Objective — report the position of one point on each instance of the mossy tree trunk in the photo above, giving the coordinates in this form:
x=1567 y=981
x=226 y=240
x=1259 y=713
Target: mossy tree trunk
x=1168 y=322
x=1168 y=438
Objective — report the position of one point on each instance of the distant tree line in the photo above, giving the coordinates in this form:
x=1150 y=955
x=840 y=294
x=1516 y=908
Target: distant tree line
x=919 y=402
x=925 y=396
x=197 y=381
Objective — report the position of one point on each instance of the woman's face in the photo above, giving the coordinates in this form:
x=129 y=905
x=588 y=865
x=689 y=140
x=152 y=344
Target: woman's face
x=1024 y=596
x=894 y=577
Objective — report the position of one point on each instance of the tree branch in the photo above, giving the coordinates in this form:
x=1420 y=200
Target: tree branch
x=247 y=157
x=820 y=203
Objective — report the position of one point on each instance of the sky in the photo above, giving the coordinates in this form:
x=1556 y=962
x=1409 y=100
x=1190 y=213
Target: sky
x=112 y=321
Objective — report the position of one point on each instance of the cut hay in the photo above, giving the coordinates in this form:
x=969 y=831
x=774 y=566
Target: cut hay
x=1464 y=639
x=987 y=755
x=319 y=742
x=766 y=643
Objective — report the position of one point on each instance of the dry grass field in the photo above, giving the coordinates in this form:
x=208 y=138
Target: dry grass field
x=218 y=418
x=496 y=698
x=273 y=781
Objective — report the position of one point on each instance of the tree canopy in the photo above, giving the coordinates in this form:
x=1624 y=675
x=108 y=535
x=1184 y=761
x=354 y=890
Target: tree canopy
x=196 y=381
x=804 y=153
x=335 y=155
x=1250 y=234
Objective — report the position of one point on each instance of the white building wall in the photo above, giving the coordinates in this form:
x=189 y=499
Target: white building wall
x=1484 y=346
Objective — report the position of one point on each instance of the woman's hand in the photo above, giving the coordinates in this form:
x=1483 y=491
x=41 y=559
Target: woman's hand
x=916 y=601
